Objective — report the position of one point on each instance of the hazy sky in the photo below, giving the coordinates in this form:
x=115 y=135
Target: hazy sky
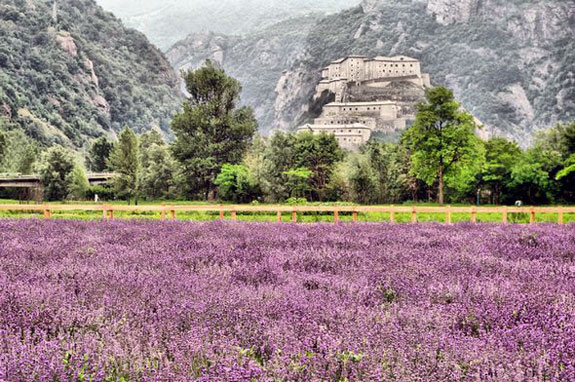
x=167 y=21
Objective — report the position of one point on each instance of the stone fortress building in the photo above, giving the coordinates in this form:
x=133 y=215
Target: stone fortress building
x=370 y=95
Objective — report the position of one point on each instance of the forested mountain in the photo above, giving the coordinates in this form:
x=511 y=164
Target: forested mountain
x=167 y=21
x=70 y=71
x=511 y=63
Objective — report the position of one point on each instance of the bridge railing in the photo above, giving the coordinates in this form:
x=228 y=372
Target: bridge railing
x=231 y=211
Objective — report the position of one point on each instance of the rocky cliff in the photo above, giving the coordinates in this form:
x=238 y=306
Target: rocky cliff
x=69 y=71
x=510 y=62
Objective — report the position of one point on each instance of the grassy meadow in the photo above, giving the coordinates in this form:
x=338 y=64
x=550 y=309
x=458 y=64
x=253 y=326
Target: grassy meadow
x=303 y=217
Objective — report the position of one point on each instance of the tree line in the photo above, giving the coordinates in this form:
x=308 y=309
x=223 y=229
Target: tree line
x=216 y=154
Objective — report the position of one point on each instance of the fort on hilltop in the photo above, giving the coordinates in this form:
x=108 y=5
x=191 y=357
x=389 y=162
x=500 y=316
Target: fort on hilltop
x=370 y=95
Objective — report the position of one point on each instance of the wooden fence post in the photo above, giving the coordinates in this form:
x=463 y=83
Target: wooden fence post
x=473 y=215
x=221 y=212
x=560 y=216
x=354 y=215
x=391 y=214
x=279 y=216
x=104 y=212
x=173 y=214
x=111 y=213
x=335 y=216
x=47 y=212
x=234 y=214
x=163 y=211
x=413 y=215
x=532 y=217
x=448 y=214
x=294 y=216
x=504 y=217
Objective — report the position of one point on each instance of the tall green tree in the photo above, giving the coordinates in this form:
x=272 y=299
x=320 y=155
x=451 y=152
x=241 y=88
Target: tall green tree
x=124 y=162
x=56 y=173
x=158 y=169
x=501 y=155
x=442 y=139
x=362 y=179
x=211 y=130
x=279 y=156
x=319 y=154
x=390 y=163
x=79 y=185
x=99 y=154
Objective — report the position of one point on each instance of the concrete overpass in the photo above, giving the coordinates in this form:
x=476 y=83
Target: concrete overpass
x=34 y=181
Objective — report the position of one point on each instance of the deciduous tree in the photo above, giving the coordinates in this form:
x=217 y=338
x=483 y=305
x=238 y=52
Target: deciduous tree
x=442 y=139
x=55 y=170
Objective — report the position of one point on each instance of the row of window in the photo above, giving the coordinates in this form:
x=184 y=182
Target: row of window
x=345 y=122
x=355 y=140
x=357 y=108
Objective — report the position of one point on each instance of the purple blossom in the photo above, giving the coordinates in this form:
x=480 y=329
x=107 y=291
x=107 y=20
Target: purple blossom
x=169 y=301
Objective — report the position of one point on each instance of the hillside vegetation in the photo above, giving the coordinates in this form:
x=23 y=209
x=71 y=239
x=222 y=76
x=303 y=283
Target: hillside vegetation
x=69 y=71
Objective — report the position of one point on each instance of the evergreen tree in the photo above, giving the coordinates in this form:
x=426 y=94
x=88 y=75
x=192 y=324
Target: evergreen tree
x=124 y=162
x=99 y=154
x=211 y=130
x=442 y=139
x=158 y=170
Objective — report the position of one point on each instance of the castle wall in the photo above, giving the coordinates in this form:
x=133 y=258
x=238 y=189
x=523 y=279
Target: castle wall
x=372 y=94
x=384 y=110
x=350 y=136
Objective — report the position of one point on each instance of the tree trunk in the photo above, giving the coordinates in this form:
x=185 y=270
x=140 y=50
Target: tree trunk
x=440 y=187
x=212 y=195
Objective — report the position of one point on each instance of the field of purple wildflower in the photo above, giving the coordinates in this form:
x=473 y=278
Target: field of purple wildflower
x=167 y=301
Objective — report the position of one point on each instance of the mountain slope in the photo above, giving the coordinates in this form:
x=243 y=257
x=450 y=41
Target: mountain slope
x=167 y=21
x=510 y=62
x=70 y=71
x=257 y=60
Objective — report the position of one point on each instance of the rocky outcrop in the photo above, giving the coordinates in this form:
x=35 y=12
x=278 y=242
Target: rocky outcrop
x=89 y=65
x=293 y=86
x=67 y=43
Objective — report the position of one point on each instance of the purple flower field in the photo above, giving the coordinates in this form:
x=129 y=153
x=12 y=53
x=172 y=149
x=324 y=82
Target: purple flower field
x=166 y=301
